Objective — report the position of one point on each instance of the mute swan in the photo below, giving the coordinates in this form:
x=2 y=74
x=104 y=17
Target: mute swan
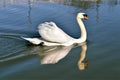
x=53 y=36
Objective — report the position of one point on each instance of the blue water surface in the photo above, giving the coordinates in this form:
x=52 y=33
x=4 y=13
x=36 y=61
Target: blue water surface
x=20 y=60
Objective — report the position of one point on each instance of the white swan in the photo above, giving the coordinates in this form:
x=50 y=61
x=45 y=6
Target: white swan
x=51 y=35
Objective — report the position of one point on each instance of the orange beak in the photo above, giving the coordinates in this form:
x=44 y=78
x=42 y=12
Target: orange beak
x=85 y=17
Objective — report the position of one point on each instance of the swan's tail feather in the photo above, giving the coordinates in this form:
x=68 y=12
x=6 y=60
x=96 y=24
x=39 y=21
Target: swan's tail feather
x=35 y=41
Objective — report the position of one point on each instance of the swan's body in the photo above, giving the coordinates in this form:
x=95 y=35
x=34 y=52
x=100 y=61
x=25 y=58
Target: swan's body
x=54 y=36
x=50 y=32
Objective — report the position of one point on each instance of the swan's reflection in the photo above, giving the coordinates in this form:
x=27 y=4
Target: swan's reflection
x=51 y=55
x=81 y=63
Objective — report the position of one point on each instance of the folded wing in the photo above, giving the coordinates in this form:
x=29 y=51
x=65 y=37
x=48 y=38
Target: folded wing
x=50 y=32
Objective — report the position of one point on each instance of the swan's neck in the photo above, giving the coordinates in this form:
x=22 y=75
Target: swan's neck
x=83 y=31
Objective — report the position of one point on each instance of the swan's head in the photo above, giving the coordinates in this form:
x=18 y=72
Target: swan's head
x=82 y=16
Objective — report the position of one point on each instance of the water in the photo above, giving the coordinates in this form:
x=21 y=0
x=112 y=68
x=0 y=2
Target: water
x=19 y=60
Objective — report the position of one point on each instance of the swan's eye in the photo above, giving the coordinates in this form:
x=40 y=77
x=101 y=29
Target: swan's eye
x=85 y=16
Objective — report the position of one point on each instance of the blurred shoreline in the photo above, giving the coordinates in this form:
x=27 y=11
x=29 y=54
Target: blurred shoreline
x=53 y=1
x=85 y=4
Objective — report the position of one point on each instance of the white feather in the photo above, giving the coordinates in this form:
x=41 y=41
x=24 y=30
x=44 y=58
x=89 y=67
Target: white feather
x=50 y=32
x=33 y=40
